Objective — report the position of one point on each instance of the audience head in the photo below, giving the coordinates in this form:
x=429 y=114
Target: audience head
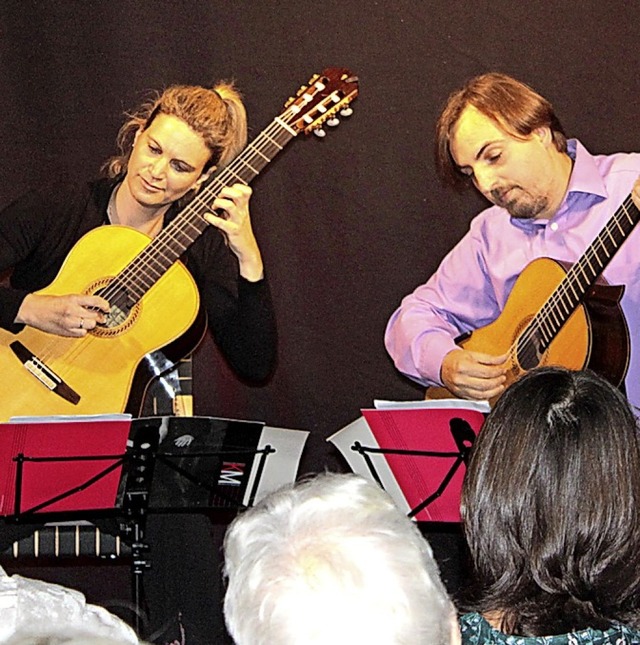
x=551 y=506
x=514 y=106
x=68 y=637
x=332 y=560
x=37 y=612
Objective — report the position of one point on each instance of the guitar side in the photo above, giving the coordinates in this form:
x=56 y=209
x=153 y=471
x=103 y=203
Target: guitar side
x=99 y=367
x=594 y=335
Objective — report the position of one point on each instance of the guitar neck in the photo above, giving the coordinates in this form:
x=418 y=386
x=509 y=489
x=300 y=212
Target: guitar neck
x=167 y=247
x=582 y=276
x=314 y=104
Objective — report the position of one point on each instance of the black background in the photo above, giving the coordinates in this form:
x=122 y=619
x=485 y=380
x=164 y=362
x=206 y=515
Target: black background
x=349 y=224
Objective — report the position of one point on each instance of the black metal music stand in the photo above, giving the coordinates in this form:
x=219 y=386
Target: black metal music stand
x=159 y=475
x=463 y=436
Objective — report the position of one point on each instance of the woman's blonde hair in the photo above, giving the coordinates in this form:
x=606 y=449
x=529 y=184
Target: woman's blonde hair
x=217 y=114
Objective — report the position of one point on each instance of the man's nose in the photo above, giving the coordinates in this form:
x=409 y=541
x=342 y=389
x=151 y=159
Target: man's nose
x=483 y=180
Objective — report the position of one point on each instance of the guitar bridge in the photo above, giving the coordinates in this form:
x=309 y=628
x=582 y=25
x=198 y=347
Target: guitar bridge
x=44 y=374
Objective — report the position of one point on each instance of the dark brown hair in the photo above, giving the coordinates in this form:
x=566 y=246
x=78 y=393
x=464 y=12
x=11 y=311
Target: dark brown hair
x=513 y=105
x=551 y=506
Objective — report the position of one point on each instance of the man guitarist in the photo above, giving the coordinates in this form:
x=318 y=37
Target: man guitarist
x=168 y=147
x=550 y=198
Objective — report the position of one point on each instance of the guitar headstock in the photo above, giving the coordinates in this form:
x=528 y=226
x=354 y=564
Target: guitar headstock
x=326 y=97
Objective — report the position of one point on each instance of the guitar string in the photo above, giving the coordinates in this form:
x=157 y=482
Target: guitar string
x=272 y=140
x=615 y=232
x=571 y=289
x=566 y=292
x=171 y=240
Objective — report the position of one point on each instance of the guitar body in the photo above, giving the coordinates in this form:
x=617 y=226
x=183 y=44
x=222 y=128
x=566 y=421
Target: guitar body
x=100 y=367
x=595 y=335
x=162 y=382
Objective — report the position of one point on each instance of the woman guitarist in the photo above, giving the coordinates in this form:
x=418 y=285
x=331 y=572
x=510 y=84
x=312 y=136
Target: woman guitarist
x=168 y=148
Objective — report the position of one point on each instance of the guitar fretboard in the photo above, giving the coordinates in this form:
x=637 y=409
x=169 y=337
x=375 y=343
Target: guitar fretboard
x=153 y=262
x=543 y=328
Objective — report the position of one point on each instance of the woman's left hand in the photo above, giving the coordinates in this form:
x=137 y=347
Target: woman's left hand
x=235 y=225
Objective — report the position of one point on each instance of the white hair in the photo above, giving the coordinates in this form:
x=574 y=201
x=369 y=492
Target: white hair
x=36 y=612
x=69 y=638
x=332 y=560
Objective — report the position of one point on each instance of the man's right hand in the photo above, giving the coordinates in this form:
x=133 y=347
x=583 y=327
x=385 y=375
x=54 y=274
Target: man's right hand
x=473 y=375
x=72 y=315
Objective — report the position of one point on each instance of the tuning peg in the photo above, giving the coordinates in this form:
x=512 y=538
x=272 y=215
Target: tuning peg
x=319 y=132
x=346 y=111
x=333 y=122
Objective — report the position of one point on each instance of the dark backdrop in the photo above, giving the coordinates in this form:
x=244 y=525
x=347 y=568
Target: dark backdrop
x=348 y=224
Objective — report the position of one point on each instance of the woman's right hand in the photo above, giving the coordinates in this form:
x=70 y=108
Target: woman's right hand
x=71 y=315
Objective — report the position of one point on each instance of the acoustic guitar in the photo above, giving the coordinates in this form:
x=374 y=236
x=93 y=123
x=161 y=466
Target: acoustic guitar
x=154 y=300
x=563 y=314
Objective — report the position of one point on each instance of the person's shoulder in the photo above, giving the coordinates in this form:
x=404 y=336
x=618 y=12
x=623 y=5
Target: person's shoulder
x=473 y=628
x=489 y=223
x=612 y=162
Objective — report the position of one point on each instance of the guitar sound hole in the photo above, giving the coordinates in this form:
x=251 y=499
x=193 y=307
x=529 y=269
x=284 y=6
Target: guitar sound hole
x=120 y=306
x=530 y=350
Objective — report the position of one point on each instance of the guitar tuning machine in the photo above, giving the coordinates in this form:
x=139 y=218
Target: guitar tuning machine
x=320 y=133
x=333 y=122
x=346 y=111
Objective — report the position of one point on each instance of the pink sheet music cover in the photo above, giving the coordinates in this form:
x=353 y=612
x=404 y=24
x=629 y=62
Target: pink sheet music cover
x=444 y=432
x=42 y=481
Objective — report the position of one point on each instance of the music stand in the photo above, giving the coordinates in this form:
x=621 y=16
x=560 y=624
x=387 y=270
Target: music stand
x=417 y=455
x=165 y=464
x=462 y=434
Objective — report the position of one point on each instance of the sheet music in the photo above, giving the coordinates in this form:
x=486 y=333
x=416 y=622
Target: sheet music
x=72 y=418
x=434 y=404
x=282 y=466
x=417 y=452
x=70 y=463
x=359 y=431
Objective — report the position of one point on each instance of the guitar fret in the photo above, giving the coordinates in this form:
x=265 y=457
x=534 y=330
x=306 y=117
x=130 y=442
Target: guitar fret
x=545 y=333
x=267 y=159
x=601 y=243
x=194 y=227
x=556 y=318
x=580 y=272
x=286 y=126
x=237 y=175
x=586 y=259
x=626 y=212
x=619 y=226
x=274 y=142
x=609 y=233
